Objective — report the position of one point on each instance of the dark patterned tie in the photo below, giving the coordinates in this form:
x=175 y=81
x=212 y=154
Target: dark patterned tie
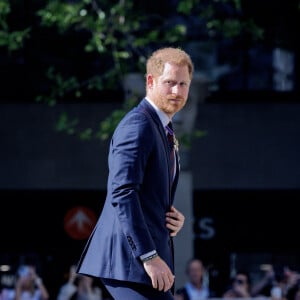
x=171 y=139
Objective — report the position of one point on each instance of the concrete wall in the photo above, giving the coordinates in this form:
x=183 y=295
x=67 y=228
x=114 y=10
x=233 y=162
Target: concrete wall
x=248 y=146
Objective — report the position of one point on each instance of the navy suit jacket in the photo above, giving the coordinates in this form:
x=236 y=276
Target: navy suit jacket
x=139 y=193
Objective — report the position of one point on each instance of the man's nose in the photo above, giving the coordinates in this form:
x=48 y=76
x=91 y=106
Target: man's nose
x=175 y=89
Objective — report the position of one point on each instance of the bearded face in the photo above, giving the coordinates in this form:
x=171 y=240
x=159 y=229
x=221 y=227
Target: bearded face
x=169 y=91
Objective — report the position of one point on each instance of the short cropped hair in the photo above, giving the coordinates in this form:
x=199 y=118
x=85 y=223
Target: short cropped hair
x=157 y=60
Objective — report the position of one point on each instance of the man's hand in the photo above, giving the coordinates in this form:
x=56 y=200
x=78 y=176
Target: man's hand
x=175 y=221
x=160 y=274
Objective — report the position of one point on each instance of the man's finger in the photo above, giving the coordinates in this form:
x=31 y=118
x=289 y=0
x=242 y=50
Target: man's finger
x=154 y=282
x=160 y=283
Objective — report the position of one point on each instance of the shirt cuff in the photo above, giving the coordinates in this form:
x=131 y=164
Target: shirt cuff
x=148 y=254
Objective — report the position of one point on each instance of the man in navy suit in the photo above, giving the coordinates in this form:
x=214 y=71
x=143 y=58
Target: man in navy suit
x=131 y=246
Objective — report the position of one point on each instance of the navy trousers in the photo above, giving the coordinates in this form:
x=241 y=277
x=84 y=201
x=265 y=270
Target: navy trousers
x=125 y=290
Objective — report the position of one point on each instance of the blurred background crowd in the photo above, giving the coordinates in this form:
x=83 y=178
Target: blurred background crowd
x=275 y=282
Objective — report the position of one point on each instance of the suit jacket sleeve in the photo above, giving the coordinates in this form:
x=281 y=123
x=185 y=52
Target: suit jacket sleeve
x=131 y=147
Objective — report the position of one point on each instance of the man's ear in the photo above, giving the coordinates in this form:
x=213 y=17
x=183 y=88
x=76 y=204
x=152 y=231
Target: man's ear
x=149 y=80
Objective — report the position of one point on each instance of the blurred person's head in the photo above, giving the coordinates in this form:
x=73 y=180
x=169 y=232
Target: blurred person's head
x=85 y=281
x=241 y=280
x=27 y=276
x=195 y=271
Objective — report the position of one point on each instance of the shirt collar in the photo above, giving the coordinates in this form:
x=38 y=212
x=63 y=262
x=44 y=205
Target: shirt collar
x=162 y=116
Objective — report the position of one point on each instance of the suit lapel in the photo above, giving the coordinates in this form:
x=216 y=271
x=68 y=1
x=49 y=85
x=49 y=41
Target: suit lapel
x=146 y=107
x=149 y=110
